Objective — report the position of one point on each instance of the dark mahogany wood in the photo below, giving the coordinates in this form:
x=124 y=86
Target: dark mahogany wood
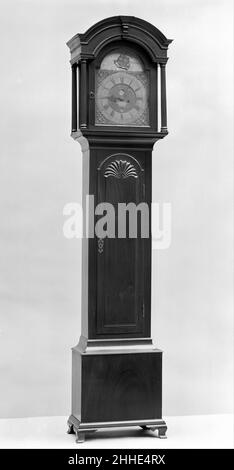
x=83 y=94
x=163 y=99
x=113 y=389
x=122 y=301
x=74 y=97
x=116 y=371
x=121 y=387
x=104 y=270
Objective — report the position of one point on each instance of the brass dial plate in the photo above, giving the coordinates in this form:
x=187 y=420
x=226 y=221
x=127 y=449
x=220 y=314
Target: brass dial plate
x=121 y=93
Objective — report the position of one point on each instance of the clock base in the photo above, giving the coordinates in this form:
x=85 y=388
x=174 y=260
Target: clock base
x=116 y=387
x=82 y=429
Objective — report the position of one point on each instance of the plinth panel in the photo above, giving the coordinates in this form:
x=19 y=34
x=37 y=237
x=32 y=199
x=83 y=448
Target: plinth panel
x=119 y=387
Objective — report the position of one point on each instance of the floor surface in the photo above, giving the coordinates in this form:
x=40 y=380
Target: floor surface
x=210 y=431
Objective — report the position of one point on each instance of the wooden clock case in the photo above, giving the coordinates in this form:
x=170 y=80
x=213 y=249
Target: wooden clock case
x=116 y=370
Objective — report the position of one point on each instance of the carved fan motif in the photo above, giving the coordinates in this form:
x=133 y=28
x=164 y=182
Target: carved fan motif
x=121 y=169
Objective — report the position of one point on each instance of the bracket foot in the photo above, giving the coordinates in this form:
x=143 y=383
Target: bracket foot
x=161 y=430
x=80 y=437
x=70 y=429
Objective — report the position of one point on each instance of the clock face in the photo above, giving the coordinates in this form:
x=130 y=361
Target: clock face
x=121 y=91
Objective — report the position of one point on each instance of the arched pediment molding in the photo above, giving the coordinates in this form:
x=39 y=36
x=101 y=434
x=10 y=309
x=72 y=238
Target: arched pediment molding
x=135 y=30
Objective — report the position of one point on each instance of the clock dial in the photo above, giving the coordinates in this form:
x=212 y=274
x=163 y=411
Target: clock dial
x=122 y=92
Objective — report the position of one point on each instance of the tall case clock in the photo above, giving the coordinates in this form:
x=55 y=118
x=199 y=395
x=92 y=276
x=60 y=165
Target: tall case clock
x=118 y=113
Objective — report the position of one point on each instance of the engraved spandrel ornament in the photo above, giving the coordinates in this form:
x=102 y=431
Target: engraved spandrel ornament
x=122 y=91
x=123 y=62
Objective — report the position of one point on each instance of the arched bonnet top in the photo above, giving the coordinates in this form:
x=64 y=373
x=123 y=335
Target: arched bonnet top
x=132 y=29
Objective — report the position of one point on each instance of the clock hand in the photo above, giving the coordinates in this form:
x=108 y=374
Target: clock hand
x=114 y=99
x=118 y=98
x=111 y=98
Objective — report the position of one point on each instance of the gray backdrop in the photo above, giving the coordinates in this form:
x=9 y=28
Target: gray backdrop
x=41 y=172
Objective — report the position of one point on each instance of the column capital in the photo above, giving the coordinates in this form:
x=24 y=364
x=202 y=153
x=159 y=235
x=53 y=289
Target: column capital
x=162 y=61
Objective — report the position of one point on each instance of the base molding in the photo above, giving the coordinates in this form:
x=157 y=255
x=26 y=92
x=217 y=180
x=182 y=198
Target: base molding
x=80 y=429
x=114 y=346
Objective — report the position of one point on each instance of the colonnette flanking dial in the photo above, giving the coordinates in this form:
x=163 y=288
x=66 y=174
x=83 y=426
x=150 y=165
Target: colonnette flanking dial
x=122 y=91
